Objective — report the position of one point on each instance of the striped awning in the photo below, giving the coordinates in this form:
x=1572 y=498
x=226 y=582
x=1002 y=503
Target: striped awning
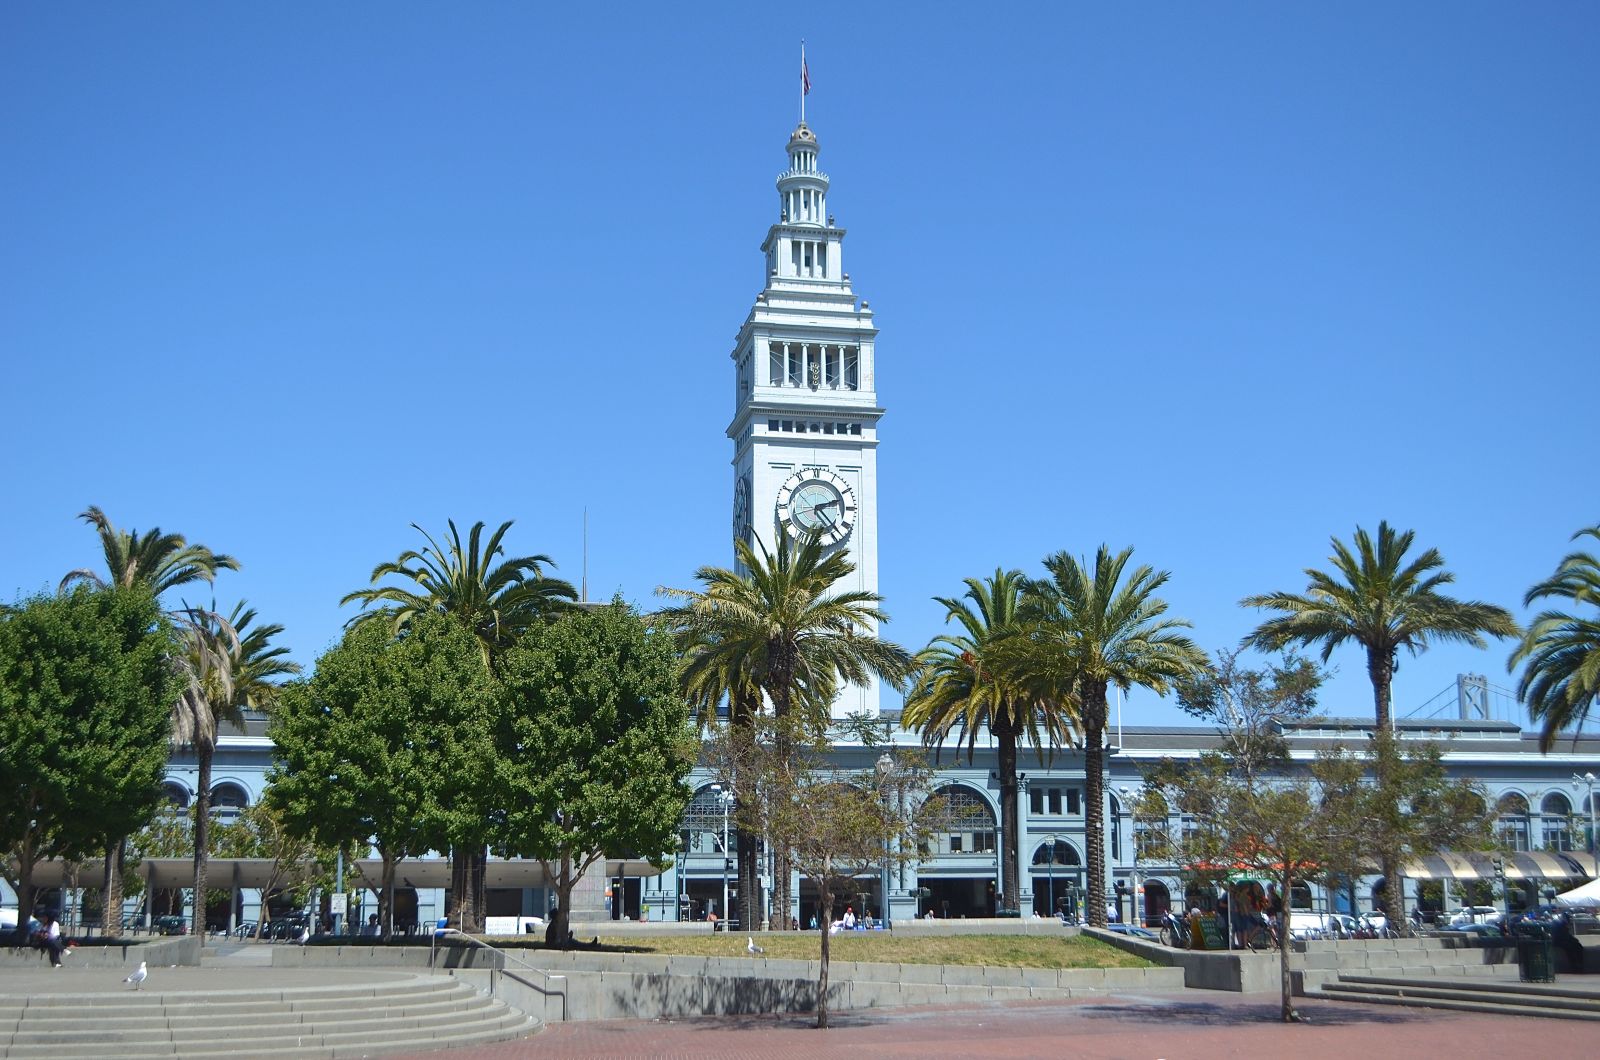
x=1522 y=865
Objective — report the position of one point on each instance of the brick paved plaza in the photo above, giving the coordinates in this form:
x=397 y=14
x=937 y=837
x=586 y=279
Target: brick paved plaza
x=1197 y=1024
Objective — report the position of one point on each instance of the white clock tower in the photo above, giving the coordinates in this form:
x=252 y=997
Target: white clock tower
x=805 y=426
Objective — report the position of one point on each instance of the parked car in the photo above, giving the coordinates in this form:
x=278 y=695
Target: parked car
x=171 y=925
x=1475 y=914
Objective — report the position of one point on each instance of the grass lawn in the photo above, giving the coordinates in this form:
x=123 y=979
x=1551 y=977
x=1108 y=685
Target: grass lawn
x=1003 y=951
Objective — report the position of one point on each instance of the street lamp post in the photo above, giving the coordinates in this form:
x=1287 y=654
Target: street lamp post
x=1050 y=875
x=725 y=796
x=1588 y=779
x=885 y=770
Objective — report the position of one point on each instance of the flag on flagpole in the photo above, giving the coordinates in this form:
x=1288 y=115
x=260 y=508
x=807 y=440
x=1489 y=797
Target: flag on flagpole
x=805 y=77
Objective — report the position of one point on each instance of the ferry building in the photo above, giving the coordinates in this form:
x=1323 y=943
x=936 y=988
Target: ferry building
x=805 y=434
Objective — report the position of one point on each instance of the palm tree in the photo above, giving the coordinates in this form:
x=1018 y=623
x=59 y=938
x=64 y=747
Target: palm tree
x=158 y=562
x=229 y=669
x=1562 y=651
x=960 y=689
x=1381 y=602
x=495 y=600
x=779 y=624
x=1084 y=630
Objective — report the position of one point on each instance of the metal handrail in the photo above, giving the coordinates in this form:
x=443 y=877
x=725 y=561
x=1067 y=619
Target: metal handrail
x=504 y=956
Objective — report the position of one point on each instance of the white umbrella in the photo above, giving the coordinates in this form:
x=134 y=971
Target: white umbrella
x=1588 y=894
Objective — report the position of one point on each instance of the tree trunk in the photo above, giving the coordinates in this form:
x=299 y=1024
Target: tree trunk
x=1285 y=979
x=26 y=891
x=558 y=932
x=1380 y=668
x=386 y=896
x=1094 y=812
x=468 y=866
x=202 y=836
x=1011 y=841
x=111 y=890
x=825 y=896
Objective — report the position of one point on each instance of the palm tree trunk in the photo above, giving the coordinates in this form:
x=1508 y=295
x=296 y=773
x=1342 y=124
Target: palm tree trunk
x=1010 y=842
x=1380 y=668
x=202 y=836
x=1094 y=816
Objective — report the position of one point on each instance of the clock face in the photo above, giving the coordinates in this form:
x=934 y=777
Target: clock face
x=817 y=502
x=741 y=508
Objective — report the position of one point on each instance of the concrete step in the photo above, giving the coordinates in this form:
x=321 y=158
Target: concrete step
x=1577 y=1004
x=1469 y=995
x=423 y=1014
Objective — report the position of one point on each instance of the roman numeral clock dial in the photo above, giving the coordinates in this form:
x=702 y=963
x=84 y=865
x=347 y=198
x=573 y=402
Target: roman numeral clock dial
x=818 y=502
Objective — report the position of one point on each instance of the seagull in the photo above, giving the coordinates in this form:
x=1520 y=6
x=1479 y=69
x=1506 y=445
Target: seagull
x=138 y=977
x=751 y=947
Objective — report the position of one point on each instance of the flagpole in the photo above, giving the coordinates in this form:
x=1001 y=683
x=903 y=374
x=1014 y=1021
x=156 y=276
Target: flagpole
x=802 y=80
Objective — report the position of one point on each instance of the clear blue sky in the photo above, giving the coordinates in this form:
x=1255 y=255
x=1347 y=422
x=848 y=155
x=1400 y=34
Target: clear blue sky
x=1216 y=281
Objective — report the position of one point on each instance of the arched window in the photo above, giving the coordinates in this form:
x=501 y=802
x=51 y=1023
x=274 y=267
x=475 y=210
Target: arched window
x=1060 y=852
x=176 y=794
x=227 y=799
x=960 y=821
x=1512 y=826
x=703 y=822
x=1556 y=809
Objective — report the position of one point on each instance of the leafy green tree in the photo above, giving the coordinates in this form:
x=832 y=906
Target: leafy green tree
x=494 y=598
x=85 y=691
x=297 y=863
x=960 y=689
x=781 y=623
x=1084 y=629
x=1378 y=599
x=594 y=746
x=387 y=744
x=1560 y=652
x=1286 y=828
x=839 y=825
x=1250 y=707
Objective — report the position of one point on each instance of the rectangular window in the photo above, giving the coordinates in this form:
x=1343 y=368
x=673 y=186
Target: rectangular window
x=772 y=426
x=775 y=365
x=1074 y=806
x=851 y=370
x=1055 y=801
x=1036 y=801
x=797 y=365
x=855 y=428
x=822 y=259
x=955 y=844
x=1557 y=836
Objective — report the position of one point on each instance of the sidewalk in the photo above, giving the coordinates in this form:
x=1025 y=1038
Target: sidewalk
x=1194 y=1024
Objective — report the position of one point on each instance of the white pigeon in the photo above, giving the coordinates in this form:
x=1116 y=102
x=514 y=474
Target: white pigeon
x=138 y=977
x=752 y=947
